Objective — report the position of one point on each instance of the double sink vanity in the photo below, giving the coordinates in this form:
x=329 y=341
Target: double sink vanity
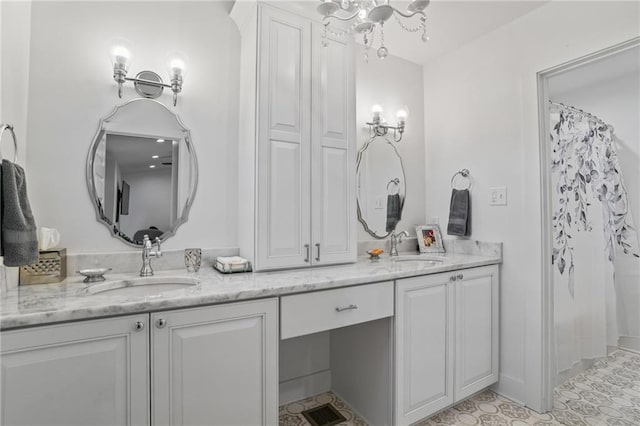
x=407 y=337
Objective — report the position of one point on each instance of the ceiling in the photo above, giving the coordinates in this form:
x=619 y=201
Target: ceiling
x=133 y=153
x=450 y=24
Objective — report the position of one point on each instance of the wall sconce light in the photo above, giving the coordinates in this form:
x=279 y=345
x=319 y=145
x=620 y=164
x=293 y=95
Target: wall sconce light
x=378 y=127
x=147 y=83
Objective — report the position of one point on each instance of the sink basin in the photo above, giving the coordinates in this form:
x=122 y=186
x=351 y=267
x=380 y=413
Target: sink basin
x=429 y=261
x=143 y=286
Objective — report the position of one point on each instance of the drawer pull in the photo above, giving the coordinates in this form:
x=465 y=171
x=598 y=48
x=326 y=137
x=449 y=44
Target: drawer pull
x=306 y=246
x=348 y=308
x=318 y=247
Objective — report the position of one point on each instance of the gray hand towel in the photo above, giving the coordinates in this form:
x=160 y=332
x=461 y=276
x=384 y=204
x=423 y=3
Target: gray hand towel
x=18 y=241
x=394 y=211
x=460 y=213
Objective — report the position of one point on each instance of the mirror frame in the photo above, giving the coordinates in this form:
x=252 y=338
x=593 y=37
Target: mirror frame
x=91 y=181
x=361 y=152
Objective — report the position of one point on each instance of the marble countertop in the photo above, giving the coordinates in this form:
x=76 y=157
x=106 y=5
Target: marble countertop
x=70 y=300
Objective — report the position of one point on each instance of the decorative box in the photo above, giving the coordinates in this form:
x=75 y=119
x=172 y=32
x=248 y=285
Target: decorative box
x=51 y=268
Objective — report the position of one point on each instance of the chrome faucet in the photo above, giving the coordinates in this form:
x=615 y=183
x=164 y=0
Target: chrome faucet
x=147 y=254
x=395 y=240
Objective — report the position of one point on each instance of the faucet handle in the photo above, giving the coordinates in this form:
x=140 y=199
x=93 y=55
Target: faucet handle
x=158 y=250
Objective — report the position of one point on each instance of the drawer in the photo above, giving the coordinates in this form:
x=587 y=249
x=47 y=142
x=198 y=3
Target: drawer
x=308 y=313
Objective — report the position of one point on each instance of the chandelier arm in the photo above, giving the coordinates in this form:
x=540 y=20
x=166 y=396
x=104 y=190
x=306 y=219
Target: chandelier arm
x=325 y=20
x=409 y=15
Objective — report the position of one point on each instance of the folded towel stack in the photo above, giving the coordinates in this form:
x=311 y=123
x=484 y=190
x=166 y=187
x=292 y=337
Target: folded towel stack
x=18 y=239
x=231 y=264
x=460 y=213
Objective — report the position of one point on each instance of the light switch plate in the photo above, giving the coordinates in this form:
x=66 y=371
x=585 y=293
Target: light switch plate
x=498 y=196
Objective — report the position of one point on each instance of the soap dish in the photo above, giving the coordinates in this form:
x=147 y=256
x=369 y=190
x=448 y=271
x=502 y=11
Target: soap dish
x=93 y=275
x=375 y=253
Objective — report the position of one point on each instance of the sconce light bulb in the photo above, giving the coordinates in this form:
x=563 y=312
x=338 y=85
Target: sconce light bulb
x=120 y=56
x=176 y=67
x=402 y=115
x=376 y=109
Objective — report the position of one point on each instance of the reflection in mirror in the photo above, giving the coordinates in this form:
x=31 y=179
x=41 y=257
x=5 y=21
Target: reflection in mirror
x=381 y=187
x=142 y=171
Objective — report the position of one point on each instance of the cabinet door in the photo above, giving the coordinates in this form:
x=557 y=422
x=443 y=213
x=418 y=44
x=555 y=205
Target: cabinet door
x=284 y=106
x=333 y=150
x=215 y=365
x=424 y=347
x=87 y=373
x=476 y=330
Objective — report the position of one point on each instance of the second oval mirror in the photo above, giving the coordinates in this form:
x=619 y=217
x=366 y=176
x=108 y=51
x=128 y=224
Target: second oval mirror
x=381 y=187
x=142 y=171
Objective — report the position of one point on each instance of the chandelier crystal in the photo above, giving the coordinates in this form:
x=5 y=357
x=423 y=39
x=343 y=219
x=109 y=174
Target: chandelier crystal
x=367 y=17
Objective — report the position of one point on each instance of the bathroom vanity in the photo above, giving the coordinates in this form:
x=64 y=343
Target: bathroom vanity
x=407 y=338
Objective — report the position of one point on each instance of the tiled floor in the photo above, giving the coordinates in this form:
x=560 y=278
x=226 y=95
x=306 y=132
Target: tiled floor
x=608 y=394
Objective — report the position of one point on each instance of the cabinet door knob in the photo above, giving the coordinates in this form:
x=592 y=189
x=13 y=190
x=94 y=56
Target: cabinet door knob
x=318 y=258
x=452 y=278
x=347 y=308
x=460 y=276
x=138 y=326
x=161 y=322
x=306 y=246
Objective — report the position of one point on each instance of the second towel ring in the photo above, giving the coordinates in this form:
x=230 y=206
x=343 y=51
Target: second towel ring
x=395 y=181
x=465 y=174
x=9 y=127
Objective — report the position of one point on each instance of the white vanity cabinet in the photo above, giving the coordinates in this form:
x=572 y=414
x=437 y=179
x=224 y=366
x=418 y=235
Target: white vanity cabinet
x=297 y=141
x=215 y=365
x=447 y=340
x=84 y=373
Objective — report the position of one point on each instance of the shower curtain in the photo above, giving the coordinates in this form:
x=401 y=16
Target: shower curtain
x=592 y=226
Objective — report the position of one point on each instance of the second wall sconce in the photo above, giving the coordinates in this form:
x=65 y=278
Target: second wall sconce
x=378 y=127
x=147 y=83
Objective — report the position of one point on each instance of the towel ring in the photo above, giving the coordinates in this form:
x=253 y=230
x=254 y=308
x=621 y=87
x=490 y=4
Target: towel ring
x=395 y=181
x=465 y=174
x=9 y=127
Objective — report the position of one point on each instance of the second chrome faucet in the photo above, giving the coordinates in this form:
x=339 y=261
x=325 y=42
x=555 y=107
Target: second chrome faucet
x=147 y=254
x=395 y=240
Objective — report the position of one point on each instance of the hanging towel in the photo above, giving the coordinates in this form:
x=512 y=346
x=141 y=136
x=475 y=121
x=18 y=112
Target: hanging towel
x=18 y=239
x=394 y=211
x=460 y=213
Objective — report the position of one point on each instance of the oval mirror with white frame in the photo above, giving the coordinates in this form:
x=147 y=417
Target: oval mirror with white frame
x=142 y=171
x=381 y=187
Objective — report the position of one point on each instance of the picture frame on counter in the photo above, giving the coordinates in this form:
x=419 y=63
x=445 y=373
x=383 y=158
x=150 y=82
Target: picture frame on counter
x=430 y=239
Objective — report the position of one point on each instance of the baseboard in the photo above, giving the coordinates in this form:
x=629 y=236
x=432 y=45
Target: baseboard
x=305 y=386
x=510 y=388
x=629 y=343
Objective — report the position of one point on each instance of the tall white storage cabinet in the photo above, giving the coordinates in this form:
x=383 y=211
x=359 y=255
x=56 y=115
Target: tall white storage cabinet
x=297 y=141
x=86 y=373
x=446 y=340
x=216 y=365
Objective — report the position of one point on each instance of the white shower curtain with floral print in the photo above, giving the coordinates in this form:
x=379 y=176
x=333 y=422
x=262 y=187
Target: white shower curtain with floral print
x=592 y=226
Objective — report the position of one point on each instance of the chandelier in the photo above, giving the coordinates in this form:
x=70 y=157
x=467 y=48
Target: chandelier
x=367 y=17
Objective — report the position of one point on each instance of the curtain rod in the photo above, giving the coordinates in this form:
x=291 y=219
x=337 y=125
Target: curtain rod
x=579 y=111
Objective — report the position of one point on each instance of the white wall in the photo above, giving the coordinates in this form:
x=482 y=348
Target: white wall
x=71 y=88
x=394 y=83
x=149 y=203
x=481 y=113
